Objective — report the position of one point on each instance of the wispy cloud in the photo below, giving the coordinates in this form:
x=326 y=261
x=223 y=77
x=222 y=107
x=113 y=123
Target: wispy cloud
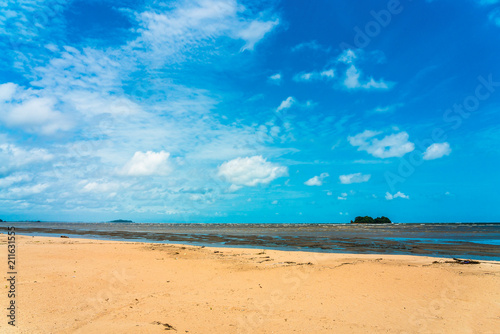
x=275 y=78
x=494 y=16
x=309 y=76
x=354 y=178
x=312 y=45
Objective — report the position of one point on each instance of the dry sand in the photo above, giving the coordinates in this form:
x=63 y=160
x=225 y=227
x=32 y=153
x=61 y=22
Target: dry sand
x=88 y=286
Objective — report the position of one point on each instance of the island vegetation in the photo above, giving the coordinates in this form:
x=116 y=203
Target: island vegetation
x=370 y=220
x=120 y=221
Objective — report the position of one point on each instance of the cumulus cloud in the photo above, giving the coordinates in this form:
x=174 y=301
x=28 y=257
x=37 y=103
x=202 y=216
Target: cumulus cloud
x=316 y=180
x=7 y=91
x=147 y=163
x=251 y=171
x=354 y=178
x=30 y=111
x=389 y=196
x=437 y=150
x=394 y=145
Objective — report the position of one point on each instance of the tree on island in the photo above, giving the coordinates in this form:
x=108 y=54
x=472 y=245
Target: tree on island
x=370 y=220
x=121 y=221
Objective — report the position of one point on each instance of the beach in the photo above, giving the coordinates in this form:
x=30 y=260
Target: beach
x=70 y=285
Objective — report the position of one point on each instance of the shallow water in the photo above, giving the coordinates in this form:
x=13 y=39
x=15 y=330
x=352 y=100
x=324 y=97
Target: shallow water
x=466 y=240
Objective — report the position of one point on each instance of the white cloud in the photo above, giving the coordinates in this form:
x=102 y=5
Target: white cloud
x=7 y=91
x=386 y=109
x=304 y=77
x=352 y=81
x=101 y=187
x=286 y=103
x=19 y=192
x=354 y=78
x=275 y=78
x=394 y=145
x=389 y=196
x=488 y=2
x=437 y=150
x=316 y=180
x=494 y=16
x=342 y=197
x=15 y=156
x=328 y=73
x=147 y=163
x=172 y=34
x=14 y=178
x=312 y=45
x=126 y=86
x=27 y=110
x=255 y=31
x=347 y=57
x=274 y=202
x=354 y=178
x=251 y=171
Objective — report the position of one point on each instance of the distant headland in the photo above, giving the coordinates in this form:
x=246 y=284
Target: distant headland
x=120 y=221
x=370 y=220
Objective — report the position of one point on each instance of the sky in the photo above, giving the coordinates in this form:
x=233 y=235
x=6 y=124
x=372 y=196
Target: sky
x=250 y=111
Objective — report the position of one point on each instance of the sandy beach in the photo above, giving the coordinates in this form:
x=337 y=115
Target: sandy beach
x=67 y=285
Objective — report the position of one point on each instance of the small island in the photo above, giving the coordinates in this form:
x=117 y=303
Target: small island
x=120 y=221
x=370 y=220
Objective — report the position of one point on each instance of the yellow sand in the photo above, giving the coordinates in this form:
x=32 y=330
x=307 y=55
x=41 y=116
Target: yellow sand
x=87 y=286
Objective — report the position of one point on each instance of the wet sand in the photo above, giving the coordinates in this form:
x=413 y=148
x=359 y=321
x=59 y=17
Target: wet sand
x=442 y=240
x=68 y=285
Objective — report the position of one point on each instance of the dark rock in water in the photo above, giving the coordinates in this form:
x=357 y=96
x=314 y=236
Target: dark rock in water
x=64 y=236
x=370 y=220
x=121 y=221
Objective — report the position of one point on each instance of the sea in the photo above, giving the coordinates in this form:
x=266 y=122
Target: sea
x=479 y=241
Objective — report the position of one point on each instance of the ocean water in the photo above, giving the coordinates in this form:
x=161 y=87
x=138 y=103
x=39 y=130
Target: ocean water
x=465 y=240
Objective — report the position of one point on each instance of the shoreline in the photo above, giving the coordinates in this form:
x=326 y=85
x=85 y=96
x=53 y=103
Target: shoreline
x=70 y=285
x=356 y=239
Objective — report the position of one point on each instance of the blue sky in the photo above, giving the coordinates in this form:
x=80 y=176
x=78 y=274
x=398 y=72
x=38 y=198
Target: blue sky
x=249 y=111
